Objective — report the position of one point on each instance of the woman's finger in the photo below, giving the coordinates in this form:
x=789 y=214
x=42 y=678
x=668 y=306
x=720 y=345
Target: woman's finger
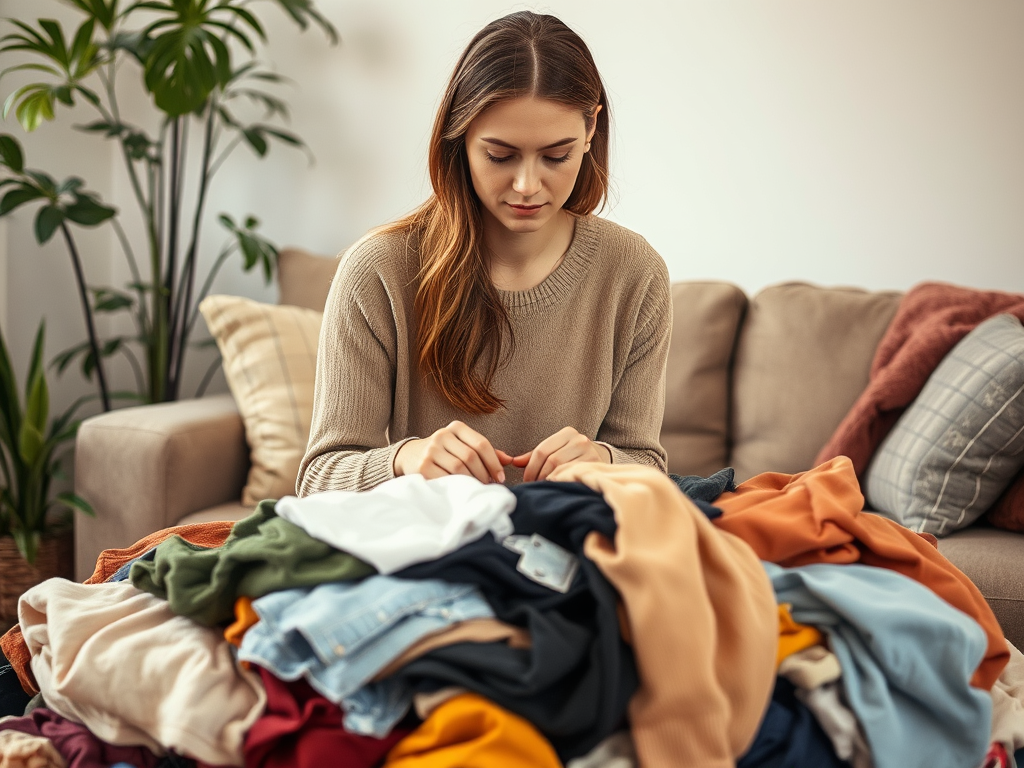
x=482 y=447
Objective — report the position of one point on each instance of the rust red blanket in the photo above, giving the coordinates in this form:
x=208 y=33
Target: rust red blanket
x=931 y=319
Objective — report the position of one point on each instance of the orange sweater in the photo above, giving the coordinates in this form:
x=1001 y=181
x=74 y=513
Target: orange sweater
x=816 y=517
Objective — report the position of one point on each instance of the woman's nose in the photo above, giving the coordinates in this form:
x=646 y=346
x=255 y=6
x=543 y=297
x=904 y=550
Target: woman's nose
x=527 y=180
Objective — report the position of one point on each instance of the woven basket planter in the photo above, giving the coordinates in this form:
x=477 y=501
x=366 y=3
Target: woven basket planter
x=54 y=558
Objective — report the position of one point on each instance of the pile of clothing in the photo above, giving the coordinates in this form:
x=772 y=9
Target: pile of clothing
x=606 y=618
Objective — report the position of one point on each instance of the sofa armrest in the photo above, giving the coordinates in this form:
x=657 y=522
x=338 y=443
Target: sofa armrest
x=144 y=468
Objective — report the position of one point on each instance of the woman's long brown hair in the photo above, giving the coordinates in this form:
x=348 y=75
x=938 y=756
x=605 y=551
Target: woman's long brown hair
x=461 y=321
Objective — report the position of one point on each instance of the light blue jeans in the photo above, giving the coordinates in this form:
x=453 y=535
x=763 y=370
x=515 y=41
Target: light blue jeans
x=338 y=636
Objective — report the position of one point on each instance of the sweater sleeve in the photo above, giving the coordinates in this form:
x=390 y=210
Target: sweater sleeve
x=348 y=445
x=632 y=427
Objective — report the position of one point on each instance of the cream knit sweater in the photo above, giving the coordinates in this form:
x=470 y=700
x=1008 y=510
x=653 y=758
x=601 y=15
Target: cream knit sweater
x=591 y=345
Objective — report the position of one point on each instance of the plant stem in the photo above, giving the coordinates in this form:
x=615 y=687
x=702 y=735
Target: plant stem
x=189 y=267
x=221 y=258
x=87 y=310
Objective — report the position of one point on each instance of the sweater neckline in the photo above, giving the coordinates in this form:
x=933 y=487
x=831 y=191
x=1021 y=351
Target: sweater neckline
x=564 y=277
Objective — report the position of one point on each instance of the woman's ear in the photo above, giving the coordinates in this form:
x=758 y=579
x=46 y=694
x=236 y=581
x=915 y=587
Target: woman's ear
x=593 y=126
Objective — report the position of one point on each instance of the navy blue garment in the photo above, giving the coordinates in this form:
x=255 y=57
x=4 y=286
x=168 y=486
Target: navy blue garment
x=13 y=698
x=789 y=736
x=704 y=490
x=576 y=680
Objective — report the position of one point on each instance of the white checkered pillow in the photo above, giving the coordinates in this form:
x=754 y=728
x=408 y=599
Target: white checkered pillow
x=961 y=442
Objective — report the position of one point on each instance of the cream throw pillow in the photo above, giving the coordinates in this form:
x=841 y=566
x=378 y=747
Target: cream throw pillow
x=269 y=356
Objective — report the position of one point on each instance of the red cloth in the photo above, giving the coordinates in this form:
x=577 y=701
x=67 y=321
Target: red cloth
x=76 y=744
x=996 y=757
x=816 y=517
x=931 y=319
x=302 y=729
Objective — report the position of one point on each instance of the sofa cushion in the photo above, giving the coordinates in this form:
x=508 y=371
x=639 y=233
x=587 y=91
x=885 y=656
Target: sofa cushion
x=706 y=316
x=992 y=560
x=304 y=278
x=958 y=445
x=803 y=357
x=269 y=356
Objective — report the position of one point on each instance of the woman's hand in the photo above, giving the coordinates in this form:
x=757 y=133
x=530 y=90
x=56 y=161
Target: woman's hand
x=452 y=450
x=565 y=446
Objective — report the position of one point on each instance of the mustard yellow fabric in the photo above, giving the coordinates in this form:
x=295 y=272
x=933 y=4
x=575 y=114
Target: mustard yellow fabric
x=469 y=731
x=245 y=617
x=794 y=637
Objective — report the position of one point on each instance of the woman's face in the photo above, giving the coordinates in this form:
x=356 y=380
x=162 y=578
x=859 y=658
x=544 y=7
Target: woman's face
x=524 y=156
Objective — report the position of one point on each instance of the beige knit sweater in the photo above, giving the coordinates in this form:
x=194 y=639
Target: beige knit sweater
x=591 y=345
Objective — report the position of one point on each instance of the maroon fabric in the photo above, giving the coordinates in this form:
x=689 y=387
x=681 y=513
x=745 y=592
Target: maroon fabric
x=302 y=729
x=931 y=319
x=76 y=744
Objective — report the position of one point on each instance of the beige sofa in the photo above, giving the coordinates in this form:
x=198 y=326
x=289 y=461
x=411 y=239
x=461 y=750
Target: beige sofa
x=758 y=384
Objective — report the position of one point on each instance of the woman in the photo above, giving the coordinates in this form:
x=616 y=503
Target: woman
x=500 y=330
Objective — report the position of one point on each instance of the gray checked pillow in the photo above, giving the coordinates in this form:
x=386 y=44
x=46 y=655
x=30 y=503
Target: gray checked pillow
x=960 y=443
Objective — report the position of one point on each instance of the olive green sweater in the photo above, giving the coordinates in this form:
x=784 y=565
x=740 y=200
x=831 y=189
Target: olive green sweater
x=591 y=342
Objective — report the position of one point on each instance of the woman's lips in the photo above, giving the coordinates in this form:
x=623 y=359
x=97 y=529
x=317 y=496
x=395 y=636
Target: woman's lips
x=524 y=210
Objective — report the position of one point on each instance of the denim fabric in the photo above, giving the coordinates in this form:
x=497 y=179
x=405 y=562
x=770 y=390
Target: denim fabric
x=907 y=658
x=576 y=680
x=338 y=636
x=121 y=574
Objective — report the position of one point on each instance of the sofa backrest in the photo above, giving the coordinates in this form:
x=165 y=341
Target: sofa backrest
x=758 y=384
x=802 y=358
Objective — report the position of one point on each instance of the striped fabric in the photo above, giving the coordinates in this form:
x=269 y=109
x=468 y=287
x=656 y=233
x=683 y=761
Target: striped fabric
x=961 y=442
x=269 y=357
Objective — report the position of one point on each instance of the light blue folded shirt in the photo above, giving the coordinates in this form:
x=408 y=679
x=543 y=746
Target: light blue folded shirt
x=907 y=658
x=338 y=636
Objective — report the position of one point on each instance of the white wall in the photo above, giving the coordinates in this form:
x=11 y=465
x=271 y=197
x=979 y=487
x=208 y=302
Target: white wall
x=872 y=143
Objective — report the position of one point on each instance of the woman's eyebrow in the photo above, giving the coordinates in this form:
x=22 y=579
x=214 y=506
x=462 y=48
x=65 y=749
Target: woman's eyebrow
x=559 y=143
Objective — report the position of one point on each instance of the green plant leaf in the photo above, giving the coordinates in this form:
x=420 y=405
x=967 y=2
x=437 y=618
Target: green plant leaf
x=138 y=145
x=74 y=501
x=46 y=183
x=65 y=358
x=69 y=185
x=111 y=300
x=10 y=404
x=256 y=140
x=47 y=220
x=30 y=441
x=36 y=105
x=10 y=153
x=27 y=543
x=104 y=13
x=18 y=197
x=88 y=211
x=303 y=12
x=111 y=129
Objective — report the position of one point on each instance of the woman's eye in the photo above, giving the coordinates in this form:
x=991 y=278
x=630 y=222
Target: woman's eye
x=498 y=158
x=561 y=159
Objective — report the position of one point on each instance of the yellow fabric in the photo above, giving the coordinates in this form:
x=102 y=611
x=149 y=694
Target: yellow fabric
x=245 y=617
x=794 y=637
x=469 y=731
x=269 y=354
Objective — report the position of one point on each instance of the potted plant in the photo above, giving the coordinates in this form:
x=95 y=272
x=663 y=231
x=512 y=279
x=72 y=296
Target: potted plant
x=35 y=539
x=196 y=62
